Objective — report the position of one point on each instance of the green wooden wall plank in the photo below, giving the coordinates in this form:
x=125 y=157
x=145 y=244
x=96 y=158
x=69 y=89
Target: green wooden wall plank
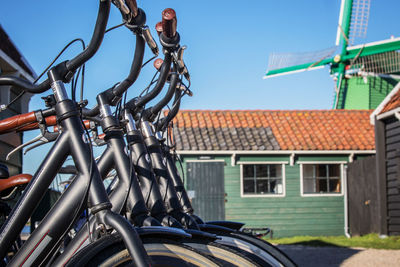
x=289 y=215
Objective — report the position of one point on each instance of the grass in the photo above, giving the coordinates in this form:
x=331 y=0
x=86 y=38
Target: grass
x=366 y=241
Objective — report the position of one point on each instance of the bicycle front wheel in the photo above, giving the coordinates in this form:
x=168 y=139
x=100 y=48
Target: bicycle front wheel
x=110 y=251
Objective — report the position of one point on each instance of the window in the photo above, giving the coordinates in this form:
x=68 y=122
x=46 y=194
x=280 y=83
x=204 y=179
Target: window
x=322 y=179
x=262 y=179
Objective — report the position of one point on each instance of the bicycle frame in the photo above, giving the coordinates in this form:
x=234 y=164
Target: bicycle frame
x=45 y=240
x=46 y=237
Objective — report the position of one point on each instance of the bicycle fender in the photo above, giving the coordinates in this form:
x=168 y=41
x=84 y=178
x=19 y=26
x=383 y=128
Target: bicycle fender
x=201 y=234
x=212 y=228
x=161 y=231
x=227 y=224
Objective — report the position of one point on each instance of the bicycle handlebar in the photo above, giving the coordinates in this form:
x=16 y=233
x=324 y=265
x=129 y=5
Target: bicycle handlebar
x=163 y=123
x=132 y=6
x=97 y=38
x=71 y=66
x=159 y=28
x=135 y=68
x=164 y=72
x=169 y=23
x=27 y=121
x=151 y=113
x=12 y=123
x=50 y=121
x=158 y=63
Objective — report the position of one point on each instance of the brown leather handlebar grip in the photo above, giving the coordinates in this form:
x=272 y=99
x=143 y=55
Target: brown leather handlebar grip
x=12 y=123
x=157 y=63
x=133 y=7
x=159 y=28
x=86 y=123
x=169 y=22
x=50 y=121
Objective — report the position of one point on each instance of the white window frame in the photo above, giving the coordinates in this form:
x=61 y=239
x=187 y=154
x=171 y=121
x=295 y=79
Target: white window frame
x=342 y=188
x=283 y=163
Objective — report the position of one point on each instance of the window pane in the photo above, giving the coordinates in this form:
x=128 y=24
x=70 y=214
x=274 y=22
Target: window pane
x=262 y=187
x=262 y=170
x=308 y=185
x=248 y=186
x=322 y=186
x=248 y=170
x=334 y=185
x=334 y=170
x=276 y=171
x=320 y=170
x=276 y=186
x=308 y=170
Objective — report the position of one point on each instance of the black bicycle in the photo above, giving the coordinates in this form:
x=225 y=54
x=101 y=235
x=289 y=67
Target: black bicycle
x=86 y=190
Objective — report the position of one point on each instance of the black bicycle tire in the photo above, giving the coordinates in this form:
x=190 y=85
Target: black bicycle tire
x=262 y=245
x=227 y=256
x=110 y=251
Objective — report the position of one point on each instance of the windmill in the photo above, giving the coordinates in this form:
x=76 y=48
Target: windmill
x=363 y=74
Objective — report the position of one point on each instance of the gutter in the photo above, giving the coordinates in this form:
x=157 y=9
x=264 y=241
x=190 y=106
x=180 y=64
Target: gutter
x=346 y=205
x=290 y=153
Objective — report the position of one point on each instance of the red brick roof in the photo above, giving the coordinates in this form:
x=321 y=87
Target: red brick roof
x=274 y=130
x=393 y=103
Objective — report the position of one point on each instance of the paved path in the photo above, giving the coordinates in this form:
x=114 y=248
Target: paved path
x=306 y=256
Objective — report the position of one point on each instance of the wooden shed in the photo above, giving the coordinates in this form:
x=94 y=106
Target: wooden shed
x=283 y=169
x=386 y=119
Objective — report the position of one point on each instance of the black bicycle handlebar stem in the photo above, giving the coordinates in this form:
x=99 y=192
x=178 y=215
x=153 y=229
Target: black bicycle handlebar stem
x=163 y=123
x=151 y=113
x=136 y=25
x=137 y=103
x=67 y=69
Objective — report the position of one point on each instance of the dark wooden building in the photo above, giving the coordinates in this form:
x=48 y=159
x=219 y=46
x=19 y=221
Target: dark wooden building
x=12 y=63
x=387 y=138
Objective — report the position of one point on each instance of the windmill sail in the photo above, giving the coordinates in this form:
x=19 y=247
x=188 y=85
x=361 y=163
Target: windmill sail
x=382 y=63
x=285 y=63
x=359 y=19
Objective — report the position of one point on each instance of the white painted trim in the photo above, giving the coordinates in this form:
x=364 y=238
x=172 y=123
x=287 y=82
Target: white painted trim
x=242 y=195
x=17 y=67
x=351 y=157
x=322 y=194
x=273 y=152
x=204 y=160
x=373 y=43
x=233 y=159
x=382 y=105
x=292 y=159
x=263 y=162
x=322 y=162
x=388 y=114
x=338 y=32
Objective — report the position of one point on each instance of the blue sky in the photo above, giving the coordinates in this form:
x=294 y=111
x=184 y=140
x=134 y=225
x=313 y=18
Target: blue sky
x=228 y=46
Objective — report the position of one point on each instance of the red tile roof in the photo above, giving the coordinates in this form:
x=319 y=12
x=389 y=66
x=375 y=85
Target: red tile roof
x=393 y=103
x=274 y=130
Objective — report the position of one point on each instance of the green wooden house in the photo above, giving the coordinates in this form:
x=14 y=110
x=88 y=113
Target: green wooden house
x=272 y=168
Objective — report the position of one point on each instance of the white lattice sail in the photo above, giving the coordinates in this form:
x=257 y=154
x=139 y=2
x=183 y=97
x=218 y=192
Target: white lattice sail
x=382 y=63
x=285 y=60
x=359 y=19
